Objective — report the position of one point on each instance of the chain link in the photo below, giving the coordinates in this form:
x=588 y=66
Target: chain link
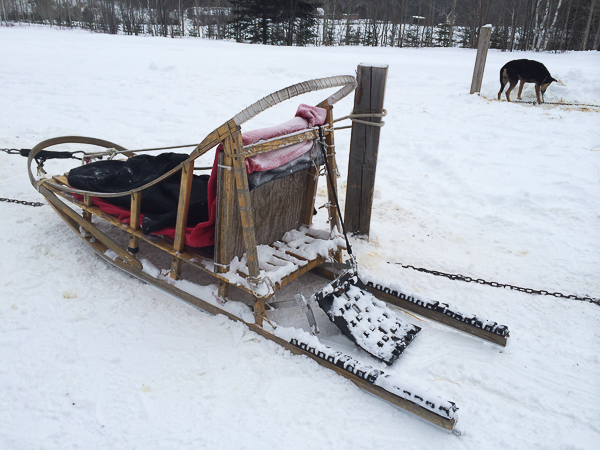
x=556 y=103
x=21 y=202
x=499 y=285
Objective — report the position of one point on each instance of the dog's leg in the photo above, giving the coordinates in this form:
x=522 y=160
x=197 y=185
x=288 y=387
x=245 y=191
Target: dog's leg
x=510 y=88
x=520 y=90
x=537 y=93
x=503 y=81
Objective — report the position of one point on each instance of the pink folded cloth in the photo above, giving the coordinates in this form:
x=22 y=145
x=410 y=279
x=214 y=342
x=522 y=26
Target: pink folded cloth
x=306 y=117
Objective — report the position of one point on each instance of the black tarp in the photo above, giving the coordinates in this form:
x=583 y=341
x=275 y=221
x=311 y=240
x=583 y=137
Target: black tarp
x=159 y=202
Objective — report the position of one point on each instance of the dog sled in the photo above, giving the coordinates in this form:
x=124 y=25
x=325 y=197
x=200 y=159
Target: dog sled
x=247 y=229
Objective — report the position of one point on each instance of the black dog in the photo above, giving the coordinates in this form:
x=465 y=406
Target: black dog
x=525 y=71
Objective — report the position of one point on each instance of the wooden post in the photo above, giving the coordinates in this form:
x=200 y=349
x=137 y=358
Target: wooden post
x=485 y=33
x=364 y=144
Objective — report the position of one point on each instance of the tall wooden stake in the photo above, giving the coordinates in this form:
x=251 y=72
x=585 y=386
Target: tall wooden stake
x=485 y=33
x=364 y=144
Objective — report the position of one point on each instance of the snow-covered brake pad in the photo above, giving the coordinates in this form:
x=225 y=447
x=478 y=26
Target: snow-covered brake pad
x=367 y=321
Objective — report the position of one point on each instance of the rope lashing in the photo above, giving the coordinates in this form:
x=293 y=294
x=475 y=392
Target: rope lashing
x=356 y=118
x=111 y=152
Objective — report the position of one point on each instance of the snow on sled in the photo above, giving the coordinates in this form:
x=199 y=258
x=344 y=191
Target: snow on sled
x=248 y=226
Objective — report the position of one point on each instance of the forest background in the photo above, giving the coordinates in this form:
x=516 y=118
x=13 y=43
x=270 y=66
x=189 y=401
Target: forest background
x=540 y=25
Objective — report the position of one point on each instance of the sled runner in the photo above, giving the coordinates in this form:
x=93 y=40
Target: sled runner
x=249 y=226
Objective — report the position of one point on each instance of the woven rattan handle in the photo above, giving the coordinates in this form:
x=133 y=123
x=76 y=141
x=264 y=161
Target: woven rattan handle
x=347 y=82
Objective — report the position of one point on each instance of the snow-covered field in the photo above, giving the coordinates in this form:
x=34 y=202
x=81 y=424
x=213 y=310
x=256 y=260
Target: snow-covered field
x=92 y=358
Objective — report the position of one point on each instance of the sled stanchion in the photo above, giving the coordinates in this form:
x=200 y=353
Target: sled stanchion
x=224 y=219
x=88 y=200
x=134 y=221
x=187 y=175
x=332 y=181
x=247 y=219
x=309 y=207
x=364 y=145
x=485 y=33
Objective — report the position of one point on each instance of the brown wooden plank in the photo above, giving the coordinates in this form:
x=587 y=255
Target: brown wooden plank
x=224 y=219
x=61 y=179
x=364 y=145
x=280 y=142
x=134 y=221
x=187 y=176
x=331 y=181
x=88 y=201
x=311 y=194
x=246 y=214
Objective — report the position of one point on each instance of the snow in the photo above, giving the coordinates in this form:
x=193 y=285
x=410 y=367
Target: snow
x=93 y=358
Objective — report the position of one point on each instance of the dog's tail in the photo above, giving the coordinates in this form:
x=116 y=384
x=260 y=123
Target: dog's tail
x=503 y=79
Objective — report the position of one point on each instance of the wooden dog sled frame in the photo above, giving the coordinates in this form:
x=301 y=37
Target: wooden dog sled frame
x=241 y=227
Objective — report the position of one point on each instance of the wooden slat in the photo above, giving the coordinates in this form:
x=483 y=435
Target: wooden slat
x=88 y=201
x=244 y=204
x=280 y=142
x=225 y=208
x=134 y=221
x=233 y=146
x=311 y=193
x=334 y=220
x=61 y=179
x=331 y=181
x=225 y=216
x=187 y=176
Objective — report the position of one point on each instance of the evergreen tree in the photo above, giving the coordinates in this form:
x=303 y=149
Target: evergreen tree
x=275 y=22
x=253 y=18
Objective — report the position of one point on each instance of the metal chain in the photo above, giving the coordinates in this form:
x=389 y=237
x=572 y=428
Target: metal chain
x=499 y=285
x=14 y=151
x=556 y=103
x=21 y=202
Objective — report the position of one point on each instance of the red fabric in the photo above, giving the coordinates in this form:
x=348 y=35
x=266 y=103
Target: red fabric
x=203 y=234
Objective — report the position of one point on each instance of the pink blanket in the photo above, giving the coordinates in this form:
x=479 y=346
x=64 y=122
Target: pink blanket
x=306 y=117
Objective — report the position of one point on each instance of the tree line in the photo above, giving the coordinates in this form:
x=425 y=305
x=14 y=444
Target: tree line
x=552 y=25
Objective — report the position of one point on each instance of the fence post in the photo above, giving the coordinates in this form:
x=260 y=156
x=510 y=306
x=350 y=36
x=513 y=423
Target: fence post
x=364 y=144
x=485 y=33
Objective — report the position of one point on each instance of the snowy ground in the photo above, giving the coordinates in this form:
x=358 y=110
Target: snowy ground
x=92 y=358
